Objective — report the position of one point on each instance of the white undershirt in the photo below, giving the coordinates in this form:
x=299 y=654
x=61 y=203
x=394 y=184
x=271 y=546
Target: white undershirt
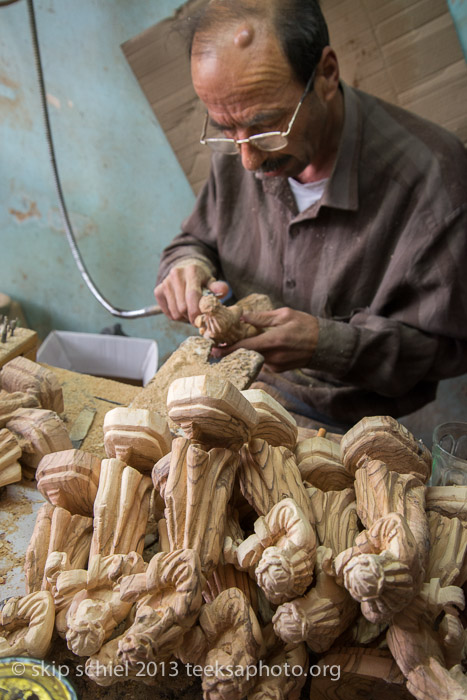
x=307 y=193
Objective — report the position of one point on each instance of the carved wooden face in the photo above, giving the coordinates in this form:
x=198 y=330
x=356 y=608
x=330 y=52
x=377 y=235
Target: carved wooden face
x=87 y=626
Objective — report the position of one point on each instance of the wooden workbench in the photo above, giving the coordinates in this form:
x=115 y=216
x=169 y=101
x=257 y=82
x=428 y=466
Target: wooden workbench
x=82 y=391
x=23 y=342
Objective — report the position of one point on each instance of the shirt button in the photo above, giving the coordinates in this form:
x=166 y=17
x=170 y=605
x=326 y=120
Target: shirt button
x=290 y=284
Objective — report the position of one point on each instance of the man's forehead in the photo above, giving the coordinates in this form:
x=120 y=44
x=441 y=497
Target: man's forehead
x=243 y=50
x=240 y=38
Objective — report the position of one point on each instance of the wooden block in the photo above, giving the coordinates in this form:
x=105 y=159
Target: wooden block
x=192 y=359
x=71 y=534
x=383 y=438
x=136 y=436
x=320 y=464
x=11 y=474
x=10 y=402
x=23 y=375
x=70 y=479
x=325 y=476
x=211 y=411
x=320 y=447
x=275 y=424
x=39 y=432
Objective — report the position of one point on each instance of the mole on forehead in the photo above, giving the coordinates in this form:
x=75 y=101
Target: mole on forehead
x=241 y=35
x=244 y=36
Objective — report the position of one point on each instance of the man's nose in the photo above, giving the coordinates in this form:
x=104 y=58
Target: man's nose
x=252 y=158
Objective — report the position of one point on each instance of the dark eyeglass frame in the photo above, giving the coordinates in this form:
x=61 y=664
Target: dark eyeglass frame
x=229 y=146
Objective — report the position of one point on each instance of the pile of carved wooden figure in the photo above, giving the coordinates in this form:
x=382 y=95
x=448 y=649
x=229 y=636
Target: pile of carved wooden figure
x=271 y=551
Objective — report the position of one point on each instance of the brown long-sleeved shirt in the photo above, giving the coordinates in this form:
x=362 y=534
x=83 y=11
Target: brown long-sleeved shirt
x=380 y=259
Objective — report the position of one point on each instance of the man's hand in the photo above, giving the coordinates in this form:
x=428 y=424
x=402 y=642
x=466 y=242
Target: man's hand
x=288 y=342
x=179 y=293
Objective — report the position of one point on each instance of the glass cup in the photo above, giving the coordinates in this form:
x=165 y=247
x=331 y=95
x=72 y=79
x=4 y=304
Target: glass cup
x=449 y=454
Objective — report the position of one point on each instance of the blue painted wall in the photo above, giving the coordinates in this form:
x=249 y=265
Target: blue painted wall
x=124 y=188
x=458 y=9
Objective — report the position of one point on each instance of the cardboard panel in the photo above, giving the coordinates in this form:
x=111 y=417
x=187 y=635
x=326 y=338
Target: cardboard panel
x=405 y=53
x=393 y=18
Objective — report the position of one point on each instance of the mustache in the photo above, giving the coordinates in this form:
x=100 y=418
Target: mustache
x=273 y=164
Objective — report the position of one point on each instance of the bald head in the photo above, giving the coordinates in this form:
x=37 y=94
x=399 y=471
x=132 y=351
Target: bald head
x=297 y=25
x=233 y=21
x=241 y=57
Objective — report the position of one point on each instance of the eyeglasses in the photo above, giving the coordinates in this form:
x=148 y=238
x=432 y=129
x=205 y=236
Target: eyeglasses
x=268 y=141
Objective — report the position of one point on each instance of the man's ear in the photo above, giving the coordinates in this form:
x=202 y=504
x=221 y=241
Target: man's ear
x=327 y=83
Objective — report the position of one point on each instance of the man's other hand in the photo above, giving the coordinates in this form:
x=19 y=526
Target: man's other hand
x=179 y=293
x=288 y=341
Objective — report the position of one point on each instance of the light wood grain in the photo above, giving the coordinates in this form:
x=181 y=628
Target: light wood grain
x=383 y=438
x=136 y=436
x=26 y=376
x=70 y=479
x=10 y=452
x=211 y=411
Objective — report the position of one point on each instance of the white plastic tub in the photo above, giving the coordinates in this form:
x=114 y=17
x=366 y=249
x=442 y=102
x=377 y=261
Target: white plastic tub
x=102 y=355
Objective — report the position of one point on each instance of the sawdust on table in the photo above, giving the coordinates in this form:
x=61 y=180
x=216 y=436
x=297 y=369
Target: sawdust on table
x=12 y=510
x=86 y=391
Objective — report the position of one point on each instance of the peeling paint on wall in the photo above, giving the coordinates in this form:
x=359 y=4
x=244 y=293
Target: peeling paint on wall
x=124 y=189
x=52 y=100
x=82 y=225
x=24 y=215
x=8 y=88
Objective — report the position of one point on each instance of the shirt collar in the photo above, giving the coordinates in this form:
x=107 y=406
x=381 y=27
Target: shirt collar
x=342 y=189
